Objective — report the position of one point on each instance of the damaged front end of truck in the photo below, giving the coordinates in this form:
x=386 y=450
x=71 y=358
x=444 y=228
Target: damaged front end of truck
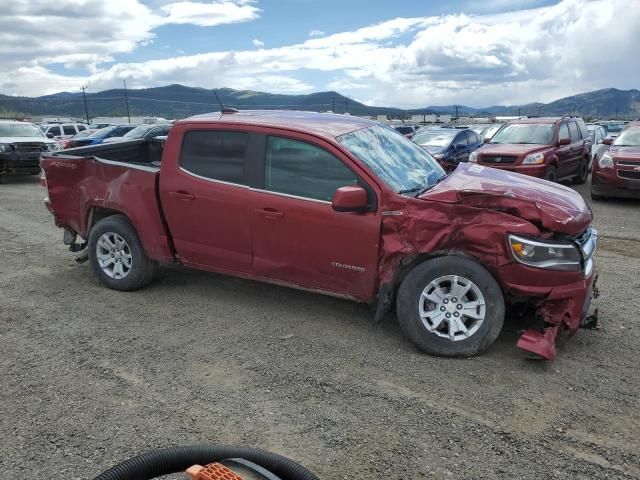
x=539 y=248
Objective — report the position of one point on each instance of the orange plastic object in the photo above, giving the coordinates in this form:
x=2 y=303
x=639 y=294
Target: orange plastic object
x=213 y=471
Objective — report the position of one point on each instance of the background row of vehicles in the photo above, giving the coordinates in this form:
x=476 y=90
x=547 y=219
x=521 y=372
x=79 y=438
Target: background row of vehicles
x=552 y=148
x=69 y=135
x=22 y=143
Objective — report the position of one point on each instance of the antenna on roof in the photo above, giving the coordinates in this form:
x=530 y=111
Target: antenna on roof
x=224 y=109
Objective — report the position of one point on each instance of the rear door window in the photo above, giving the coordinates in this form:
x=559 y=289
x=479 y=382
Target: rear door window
x=564 y=132
x=55 y=131
x=215 y=155
x=472 y=138
x=461 y=139
x=304 y=170
x=574 y=132
x=81 y=128
x=69 y=130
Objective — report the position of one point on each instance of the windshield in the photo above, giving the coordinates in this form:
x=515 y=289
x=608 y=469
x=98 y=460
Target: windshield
x=534 y=133
x=628 y=138
x=490 y=131
x=398 y=162
x=103 y=132
x=434 y=138
x=614 y=127
x=19 y=130
x=139 y=131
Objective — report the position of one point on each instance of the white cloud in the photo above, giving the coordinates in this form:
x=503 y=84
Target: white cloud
x=257 y=43
x=209 y=14
x=316 y=33
x=516 y=57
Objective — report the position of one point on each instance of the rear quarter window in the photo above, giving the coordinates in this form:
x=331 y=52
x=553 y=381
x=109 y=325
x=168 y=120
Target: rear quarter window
x=217 y=155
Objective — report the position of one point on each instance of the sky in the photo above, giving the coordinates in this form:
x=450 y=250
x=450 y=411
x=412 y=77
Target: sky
x=402 y=53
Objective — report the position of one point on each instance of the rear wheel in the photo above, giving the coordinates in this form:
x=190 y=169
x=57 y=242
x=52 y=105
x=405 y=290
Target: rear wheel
x=117 y=256
x=583 y=172
x=451 y=307
x=551 y=174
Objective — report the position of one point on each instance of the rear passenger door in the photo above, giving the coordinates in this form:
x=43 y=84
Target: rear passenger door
x=205 y=199
x=297 y=236
x=576 y=151
x=563 y=152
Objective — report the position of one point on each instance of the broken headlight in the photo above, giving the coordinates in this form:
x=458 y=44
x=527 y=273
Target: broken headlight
x=545 y=254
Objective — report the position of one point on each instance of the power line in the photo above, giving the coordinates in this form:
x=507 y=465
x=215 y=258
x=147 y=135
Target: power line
x=126 y=100
x=84 y=96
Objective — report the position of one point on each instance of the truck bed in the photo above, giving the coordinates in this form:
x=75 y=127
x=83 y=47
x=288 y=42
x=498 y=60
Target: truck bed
x=146 y=153
x=87 y=183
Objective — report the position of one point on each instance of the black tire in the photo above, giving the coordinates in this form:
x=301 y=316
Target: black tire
x=142 y=270
x=583 y=172
x=551 y=174
x=409 y=296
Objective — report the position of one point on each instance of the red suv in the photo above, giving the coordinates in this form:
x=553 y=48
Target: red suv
x=550 y=148
x=617 y=171
x=338 y=205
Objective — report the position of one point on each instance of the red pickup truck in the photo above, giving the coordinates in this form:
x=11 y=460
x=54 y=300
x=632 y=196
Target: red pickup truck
x=338 y=205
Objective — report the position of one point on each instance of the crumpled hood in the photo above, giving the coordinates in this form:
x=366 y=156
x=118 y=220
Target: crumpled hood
x=547 y=205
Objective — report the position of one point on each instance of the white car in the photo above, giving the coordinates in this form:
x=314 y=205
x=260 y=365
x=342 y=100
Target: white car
x=21 y=144
x=597 y=133
x=59 y=131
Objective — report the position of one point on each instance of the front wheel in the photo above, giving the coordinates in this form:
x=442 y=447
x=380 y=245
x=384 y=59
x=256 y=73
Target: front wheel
x=451 y=307
x=583 y=172
x=117 y=256
x=551 y=174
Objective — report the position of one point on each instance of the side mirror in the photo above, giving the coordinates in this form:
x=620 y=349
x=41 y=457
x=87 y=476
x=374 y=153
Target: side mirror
x=349 y=199
x=50 y=135
x=607 y=140
x=564 y=141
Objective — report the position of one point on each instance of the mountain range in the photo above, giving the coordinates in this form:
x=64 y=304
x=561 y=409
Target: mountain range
x=179 y=101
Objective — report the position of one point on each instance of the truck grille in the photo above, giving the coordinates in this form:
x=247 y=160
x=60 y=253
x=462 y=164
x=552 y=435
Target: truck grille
x=629 y=174
x=30 y=147
x=498 y=159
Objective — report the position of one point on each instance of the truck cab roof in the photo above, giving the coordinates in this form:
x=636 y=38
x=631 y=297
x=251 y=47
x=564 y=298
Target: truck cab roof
x=327 y=125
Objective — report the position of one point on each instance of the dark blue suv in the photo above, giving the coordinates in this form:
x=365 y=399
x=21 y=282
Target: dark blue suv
x=449 y=146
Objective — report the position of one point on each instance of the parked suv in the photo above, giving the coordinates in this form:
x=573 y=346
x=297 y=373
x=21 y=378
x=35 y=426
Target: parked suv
x=551 y=148
x=339 y=205
x=60 y=131
x=21 y=144
x=617 y=172
x=449 y=146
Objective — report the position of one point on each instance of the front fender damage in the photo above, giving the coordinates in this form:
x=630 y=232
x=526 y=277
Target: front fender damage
x=476 y=227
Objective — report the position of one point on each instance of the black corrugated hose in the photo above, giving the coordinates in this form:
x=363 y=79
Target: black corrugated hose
x=177 y=459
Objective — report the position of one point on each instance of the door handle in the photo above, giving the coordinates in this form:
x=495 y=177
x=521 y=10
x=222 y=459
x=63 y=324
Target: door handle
x=184 y=196
x=270 y=213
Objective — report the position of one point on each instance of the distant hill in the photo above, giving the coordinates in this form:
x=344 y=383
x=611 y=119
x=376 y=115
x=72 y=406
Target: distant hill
x=179 y=101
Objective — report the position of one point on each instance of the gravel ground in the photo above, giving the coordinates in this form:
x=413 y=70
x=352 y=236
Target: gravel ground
x=91 y=377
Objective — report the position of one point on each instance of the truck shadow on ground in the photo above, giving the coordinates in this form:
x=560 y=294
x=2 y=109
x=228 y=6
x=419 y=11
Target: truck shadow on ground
x=313 y=308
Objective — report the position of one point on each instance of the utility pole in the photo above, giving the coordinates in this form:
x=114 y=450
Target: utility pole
x=597 y=113
x=519 y=114
x=84 y=96
x=456 y=113
x=126 y=99
x=333 y=103
x=346 y=105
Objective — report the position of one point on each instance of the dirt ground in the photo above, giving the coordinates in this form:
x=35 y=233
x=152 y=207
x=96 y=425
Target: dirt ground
x=90 y=376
